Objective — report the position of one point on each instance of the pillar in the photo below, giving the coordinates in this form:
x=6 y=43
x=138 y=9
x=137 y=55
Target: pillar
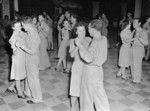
x=138 y=8
x=5 y=8
x=148 y=9
x=16 y=5
x=95 y=8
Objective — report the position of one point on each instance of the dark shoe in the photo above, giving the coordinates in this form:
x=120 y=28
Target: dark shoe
x=10 y=91
x=48 y=68
x=21 y=96
x=134 y=82
x=30 y=102
x=64 y=70
x=56 y=69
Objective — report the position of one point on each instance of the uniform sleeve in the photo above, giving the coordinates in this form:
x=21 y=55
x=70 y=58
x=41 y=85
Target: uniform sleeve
x=143 y=38
x=103 y=52
x=33 y=45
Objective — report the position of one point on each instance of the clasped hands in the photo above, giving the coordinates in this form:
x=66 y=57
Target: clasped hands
x=18 y=44
x=77 y=42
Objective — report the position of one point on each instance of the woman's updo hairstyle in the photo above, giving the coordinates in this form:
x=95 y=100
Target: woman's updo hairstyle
x=78 y=24
x=97 y=24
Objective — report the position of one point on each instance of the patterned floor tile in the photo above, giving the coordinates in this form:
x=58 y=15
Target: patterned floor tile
x=115 y=96
x=147 y=89
x=136 y=97
x=48 y=87
x=10 y=98
x=16 y=105
x=46 y=95
x=146 y=102
x=63 y=97
x=128 y=109
x=122 y=85
x=139 y=107
x=5 y=108
x=108 y=91
x=140 y=86
x=113 y=81
x=2 y=102
x=111 y=100
x=124 y=92
x=57 y=75
x=116 y=106
x=26 y=108
x=126 y=101
x=39 y=106
x=53 y=81
x=132 y=89
x=3 y=94
x=52 y=102
x=56 y=92
x=143 y=93
x=106 y=84
x=113 y=88
x=60 y=107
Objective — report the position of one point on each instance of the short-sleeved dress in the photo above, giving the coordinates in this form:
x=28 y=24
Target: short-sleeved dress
x=50 y=34
x=44 y=58
x=64 y=45
x=18 y=70
x=125 y=50
x=77 y=68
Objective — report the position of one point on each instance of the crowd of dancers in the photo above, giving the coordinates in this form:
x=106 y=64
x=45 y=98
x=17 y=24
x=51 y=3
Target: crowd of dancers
x=82 y=52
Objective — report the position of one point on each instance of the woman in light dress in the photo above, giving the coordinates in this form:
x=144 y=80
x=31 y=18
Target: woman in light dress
x=146 y=27
x=125 y=50
x=43 y=30
x=18 y=70
x=92 y=91
x=33 y=88
x=78 y=63
x=105 y=29
x=49 y=21
x=64 y=45
x=50 y=36
x=73 y=20
x=61 y=18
